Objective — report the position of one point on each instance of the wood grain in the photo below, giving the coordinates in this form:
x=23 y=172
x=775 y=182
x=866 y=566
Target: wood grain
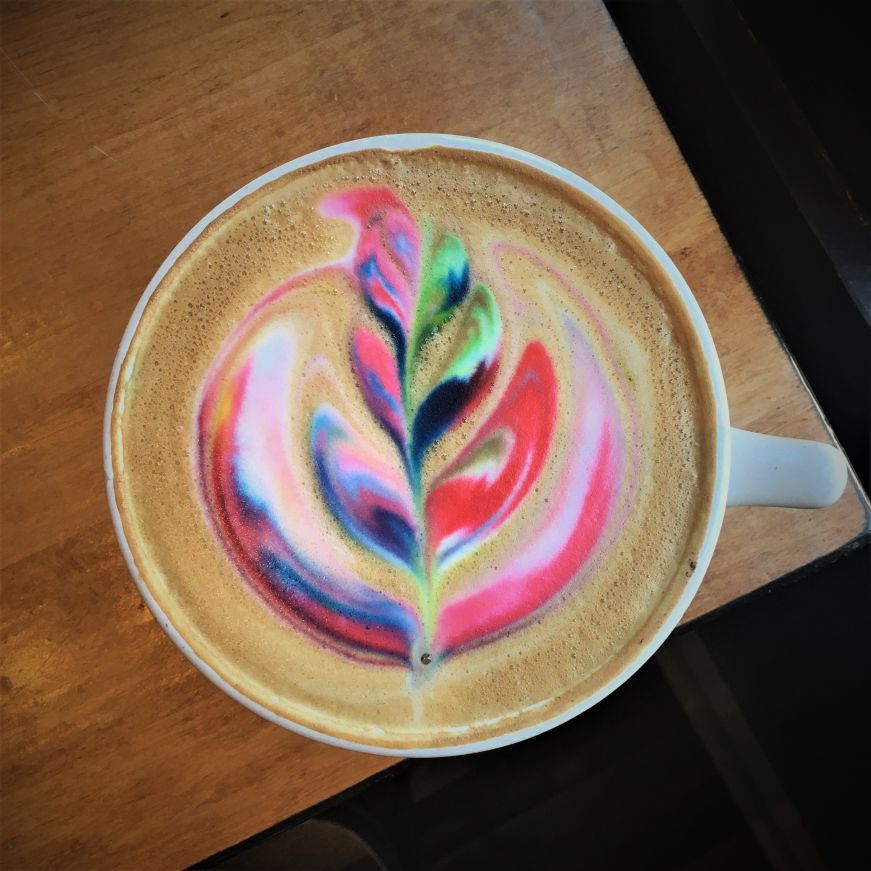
x=123 y=123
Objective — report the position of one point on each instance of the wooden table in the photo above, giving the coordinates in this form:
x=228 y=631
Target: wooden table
x=124 y=122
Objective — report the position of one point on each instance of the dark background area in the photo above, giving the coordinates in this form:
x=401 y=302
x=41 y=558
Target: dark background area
x=744 y=742
x=769 y=104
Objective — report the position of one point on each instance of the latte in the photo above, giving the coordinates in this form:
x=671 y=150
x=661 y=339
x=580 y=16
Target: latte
x=415 y=448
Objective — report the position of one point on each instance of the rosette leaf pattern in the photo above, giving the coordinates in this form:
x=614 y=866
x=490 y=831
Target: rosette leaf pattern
x=416 y=282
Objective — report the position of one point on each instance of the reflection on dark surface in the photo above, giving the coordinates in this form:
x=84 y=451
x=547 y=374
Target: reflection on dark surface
x=742 y=744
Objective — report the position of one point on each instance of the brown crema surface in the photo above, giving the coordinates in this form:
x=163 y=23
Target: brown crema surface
x=581 y=640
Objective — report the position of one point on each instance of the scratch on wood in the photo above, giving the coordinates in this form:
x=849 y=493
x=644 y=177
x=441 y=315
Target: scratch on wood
x=16 y=67
x=104 y=153
x=40 y=97
x=27 y=81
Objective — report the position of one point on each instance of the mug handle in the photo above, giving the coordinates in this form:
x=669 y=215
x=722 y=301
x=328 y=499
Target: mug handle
x=791 y=473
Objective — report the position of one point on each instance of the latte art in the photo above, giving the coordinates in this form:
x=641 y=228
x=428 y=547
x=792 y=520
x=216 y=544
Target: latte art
x=415 y=282
x=415 y=448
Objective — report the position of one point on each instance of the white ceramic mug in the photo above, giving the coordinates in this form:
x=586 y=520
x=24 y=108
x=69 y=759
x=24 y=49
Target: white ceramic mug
x=751 y=469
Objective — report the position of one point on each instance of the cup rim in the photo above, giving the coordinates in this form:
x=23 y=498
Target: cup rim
x=410 y=142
